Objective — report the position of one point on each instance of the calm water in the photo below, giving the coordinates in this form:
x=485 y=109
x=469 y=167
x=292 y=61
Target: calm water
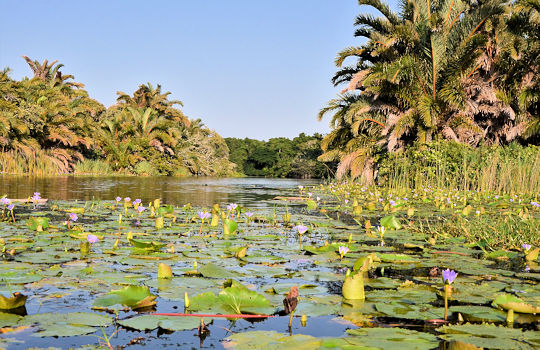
x=197 y=191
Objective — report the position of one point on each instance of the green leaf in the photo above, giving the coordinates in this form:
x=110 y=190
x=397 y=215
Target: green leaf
x=171 y=323
x=215 y=271
x=37 y=222
x=150 y=245
x=395 y=338
x=239 y=299
x=134 y=297
x=270 y=340
x=229 y=226
x=390 y=222
x=17 y=300
x=353 y=286
x=508 y=301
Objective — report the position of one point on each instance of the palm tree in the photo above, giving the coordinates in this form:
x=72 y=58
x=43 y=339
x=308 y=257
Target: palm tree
x=412 y=79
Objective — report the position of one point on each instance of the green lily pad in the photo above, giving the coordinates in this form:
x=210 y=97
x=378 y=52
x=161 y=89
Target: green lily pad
x=390 y=222
x=135 y=297
x=508 y=301
x=17 y=300
x=484 y=335
x=239 y=299
x=395 y=338
x=270 y=340
x=171 y=323
x=8 y=320
x=215 y=271
x=36 y=222
x=410 y=311
x=474 y=313
x=150 y=245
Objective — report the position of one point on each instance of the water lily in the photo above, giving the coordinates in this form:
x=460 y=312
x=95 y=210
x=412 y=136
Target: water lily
x=92 y=239
x=118 y=199
x=301 y=229
x=448 y=277
x=249 y=214
x=232 y=206
x=5 y=201
x=36 y=196
x=203 y=215
x=526 y=247
x=73 y=217
x=381 y=230
x=127 y=199
x=10 y=208
x=535 y=204
x=138 y=201
x=318 y=198
x=140 y=209
x=343 y=250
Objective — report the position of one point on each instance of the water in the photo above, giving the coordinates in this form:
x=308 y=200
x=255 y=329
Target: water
x=253 y=192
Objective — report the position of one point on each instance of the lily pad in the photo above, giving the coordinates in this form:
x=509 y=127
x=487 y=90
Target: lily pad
x=395 y=338
x=215 y=271
x=171 y=323
x=135 y=297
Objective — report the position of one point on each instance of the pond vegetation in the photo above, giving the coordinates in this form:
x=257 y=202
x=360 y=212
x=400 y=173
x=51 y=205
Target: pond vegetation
x=414 y=269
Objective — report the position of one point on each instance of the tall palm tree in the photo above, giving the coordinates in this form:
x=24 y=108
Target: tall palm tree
x=410 y=80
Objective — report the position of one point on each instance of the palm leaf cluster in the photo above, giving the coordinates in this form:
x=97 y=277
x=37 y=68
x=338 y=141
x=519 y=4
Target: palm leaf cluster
x=49 y=124
x=438 y=69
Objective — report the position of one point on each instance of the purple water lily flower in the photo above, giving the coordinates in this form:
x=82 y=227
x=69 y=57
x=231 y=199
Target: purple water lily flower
x=249 y=214
x=141 y=208
x=449 y=276
x=301 y=229
x=138 y=201
x=73 y=217
x=535 y=204
x=5 y=201
x=318 y=198
x=92 y=239
x=346 y=201
x=526 y=247
x=36 y=196
x=204 y=215
x=343 y=250
x=118 y=199
x=392 y=203
x=232 y=206
x=11 y=206
x=127 y=199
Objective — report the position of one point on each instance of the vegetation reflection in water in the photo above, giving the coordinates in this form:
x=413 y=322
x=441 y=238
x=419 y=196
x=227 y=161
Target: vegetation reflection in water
x=104 y=273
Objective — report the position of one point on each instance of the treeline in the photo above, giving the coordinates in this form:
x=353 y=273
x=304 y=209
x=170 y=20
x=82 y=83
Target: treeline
x=49 y=125
x=457 y=70
x=280 y=157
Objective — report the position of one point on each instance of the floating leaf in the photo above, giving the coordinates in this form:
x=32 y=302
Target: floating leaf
x=135 y=297
x=395 y=338
x=14 y=302
x=390 y=222
x=510 y=302
x=239 y=299
x=171 y=323
x=215 y=271
x=38 y=223
x=229 y=226
x=150 y=245
x=270 y=340
x=164 y=271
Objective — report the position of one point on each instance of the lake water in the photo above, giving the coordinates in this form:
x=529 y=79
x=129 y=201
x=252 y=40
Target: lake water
x=178 y=191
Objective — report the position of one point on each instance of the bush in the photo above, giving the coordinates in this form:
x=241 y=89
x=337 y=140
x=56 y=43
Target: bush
x=92 y=167
x=145 y=168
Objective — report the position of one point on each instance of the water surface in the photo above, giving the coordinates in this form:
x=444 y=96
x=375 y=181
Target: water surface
x=201 y=191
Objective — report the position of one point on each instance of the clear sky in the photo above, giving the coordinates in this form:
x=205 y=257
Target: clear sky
x=247 y=68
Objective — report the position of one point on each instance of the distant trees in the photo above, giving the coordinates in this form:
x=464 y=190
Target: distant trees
x=49 y=124
x=279 y=157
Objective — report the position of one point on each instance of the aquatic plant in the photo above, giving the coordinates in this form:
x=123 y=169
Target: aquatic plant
x=448 y=277
x=342 y=251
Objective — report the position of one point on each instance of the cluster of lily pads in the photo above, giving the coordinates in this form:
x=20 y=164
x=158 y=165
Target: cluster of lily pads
x=356 y=255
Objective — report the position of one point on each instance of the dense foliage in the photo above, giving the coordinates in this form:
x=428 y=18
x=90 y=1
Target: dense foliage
x=458 y=70
x=49 y=125
x=279 y=157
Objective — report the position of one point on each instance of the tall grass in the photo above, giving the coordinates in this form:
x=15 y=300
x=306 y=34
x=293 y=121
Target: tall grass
x=511 y=169
x=36 y=164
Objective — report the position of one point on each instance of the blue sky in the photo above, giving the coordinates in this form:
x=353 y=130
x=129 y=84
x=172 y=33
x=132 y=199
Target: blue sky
x=247 y=68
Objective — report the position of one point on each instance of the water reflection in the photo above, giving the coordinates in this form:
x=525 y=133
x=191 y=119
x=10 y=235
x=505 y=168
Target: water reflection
x=197 y=191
